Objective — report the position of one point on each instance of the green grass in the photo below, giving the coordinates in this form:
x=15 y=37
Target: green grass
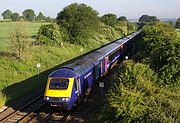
x=7 y=27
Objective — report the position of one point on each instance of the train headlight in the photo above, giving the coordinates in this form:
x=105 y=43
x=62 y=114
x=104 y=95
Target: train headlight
x=65 y=99
x=46 y=98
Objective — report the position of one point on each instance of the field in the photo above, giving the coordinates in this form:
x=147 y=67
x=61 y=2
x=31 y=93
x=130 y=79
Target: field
x=7 y=27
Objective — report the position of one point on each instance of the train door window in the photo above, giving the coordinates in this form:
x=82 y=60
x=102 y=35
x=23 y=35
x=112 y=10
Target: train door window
x=75 y=83
x=78 y=85
x=97 y=70
x=106 y=63
x=101 y=66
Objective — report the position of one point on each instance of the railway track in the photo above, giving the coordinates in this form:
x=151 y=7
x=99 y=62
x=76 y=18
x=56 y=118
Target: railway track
x=26 y=112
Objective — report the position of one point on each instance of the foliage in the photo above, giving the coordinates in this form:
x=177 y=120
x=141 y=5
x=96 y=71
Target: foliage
x=80 y=20
x=161 y=42
x=178 y=23
x=51 y=34
x=49 y=19
x=7 y=14
x=40 y=17
x=135 y=97
x=109 y=19
x=29 y=15
x=147 y=18
x=15 y=17
x=122 y=26
x=132 y=27
x=104 y=35
x=18 y=40
x=122 y=18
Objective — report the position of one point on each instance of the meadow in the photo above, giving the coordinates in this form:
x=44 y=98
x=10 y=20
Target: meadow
x=7 y=27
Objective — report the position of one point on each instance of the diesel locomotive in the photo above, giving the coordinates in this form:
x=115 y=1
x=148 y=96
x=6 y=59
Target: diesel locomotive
x=68 y=84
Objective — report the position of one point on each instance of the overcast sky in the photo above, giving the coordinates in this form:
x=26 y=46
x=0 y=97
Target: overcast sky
x=132 y=9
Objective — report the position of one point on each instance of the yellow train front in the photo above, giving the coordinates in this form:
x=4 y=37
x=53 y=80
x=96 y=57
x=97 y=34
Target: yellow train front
x=60 y=89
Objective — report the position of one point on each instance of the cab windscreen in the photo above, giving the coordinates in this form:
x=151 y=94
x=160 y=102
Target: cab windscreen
x=58 y=83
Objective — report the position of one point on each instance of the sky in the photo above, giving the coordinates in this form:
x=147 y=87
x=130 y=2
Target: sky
x=132 y=9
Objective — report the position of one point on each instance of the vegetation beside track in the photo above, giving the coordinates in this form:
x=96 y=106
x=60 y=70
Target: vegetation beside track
x=146 y=89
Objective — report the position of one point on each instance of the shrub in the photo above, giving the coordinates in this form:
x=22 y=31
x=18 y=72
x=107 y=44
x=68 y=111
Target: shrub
x=136 y=97
x=51 y=34
x=162 y=47
x=19 y=40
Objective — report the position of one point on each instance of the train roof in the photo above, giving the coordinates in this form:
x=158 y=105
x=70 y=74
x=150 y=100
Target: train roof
x=86 y=62
x=96 y=56
x=111 y=47
x=64 y=72
x=81 y=65
x=108 y=49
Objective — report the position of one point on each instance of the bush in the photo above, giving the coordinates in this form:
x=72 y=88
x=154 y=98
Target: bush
x=51 y=34
x=136 y=97
x=162 y=47
x=19 y=41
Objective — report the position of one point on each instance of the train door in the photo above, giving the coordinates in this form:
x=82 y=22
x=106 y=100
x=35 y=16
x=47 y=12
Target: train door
x=106 y=63
x=78 y=86
x=97 y=71
x=121 y=49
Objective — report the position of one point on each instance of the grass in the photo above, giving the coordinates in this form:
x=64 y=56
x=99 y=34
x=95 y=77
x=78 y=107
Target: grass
x=7 y=27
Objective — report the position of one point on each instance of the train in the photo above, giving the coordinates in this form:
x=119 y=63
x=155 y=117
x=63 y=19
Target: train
x=71 y=82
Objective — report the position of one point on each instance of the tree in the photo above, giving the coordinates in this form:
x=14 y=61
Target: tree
x=178 y=23
x=161 y=42
x=18 y=40
x=109 y=19
x=15 y=17
x=7 y=14
x=29 y=15
x=49 y=19
x=40 y=17
x=122 y=18
x=80 y=20
x=147 y=18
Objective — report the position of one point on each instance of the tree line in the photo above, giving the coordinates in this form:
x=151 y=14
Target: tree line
x=77 y=23
x=28 y=15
